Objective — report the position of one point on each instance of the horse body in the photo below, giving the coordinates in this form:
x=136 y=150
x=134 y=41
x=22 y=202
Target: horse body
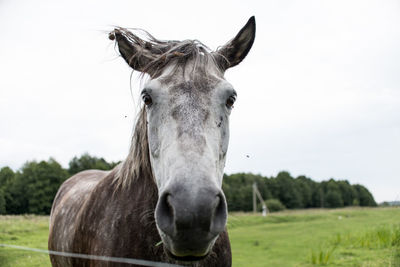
x=169 y=187
x=104 y=221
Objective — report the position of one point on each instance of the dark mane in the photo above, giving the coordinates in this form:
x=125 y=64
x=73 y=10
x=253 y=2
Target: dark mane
x=137 y=163
x=167 y=53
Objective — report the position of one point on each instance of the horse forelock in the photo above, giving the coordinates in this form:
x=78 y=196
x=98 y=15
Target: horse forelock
x=170 y=53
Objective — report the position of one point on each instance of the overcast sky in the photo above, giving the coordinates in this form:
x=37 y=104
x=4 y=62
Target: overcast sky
x=319 y=93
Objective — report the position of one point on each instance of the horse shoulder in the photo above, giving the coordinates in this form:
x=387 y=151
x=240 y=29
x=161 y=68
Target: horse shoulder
x=67 y=205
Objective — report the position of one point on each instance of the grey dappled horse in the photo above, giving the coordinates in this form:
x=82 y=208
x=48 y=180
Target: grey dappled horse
x=169 y=187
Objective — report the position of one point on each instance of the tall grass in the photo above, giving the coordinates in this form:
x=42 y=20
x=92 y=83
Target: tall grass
x=322 y=256
x=387 y=236
x=380 y=237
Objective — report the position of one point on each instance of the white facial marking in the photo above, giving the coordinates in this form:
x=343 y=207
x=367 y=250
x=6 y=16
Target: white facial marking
x=188 y=128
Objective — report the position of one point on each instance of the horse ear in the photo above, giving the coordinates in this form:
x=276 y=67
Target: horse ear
x=236 y=50
x=134 y=51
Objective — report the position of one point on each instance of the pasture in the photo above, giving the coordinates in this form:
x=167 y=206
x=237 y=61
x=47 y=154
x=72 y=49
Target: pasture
x=338 y=237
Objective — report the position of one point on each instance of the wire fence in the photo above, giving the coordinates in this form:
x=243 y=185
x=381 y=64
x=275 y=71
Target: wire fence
x=94 y=257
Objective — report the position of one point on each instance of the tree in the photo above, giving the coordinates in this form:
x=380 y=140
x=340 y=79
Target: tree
x=2 y=202
x=238 y=191
x=365 y=198
x=288 y=193
x=44 y=179
x=347 y=192
x=333 y=199
x=319 y=193
x=34 y=187
x=333 y=196
x=6 y=176
x=304 y=186
x=16 y=195
x=87 y=162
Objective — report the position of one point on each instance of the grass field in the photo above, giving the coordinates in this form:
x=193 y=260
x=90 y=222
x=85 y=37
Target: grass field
x=341 y=237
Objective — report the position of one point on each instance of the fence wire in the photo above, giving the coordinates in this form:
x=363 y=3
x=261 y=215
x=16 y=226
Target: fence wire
x=94 y=257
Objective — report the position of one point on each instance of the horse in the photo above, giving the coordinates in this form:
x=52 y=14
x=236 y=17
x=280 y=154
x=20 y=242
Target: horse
x=164 y=202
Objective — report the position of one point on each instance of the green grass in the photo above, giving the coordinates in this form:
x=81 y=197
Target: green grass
x=28 y=231
x=343 y=237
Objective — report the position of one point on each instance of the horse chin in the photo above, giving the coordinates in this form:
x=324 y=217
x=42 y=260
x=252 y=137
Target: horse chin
x=188 y=258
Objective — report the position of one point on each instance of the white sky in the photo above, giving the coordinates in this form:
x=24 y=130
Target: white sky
x=319 y=93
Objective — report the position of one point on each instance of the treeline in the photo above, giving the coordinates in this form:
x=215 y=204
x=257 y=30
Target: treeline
x=285 y=191
x=33 y=187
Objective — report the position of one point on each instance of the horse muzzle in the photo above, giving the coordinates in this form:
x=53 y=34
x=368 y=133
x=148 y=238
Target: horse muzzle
x=189 y=220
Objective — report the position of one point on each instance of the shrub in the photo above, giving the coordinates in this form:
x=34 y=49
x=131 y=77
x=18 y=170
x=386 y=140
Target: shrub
x=274 y=205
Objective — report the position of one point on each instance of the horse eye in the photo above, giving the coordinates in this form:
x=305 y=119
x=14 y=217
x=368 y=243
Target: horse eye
x=147 y=99
x=230 y=101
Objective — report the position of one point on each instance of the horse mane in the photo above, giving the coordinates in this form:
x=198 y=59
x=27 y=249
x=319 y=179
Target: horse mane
x=137 y=164
x=171 y=52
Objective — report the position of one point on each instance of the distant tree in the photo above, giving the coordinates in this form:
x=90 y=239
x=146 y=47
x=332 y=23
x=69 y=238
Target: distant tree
x=332 y=194
x=262 y=185
x=2 y=202
x=347 y=192
x=356 y=202
x=238 y=191
x=6 y=176
x=304 y=186
x=44 y=180
x=333 y=199
x=16 y=195
x=384 y=204
x=35 y=187
x=365 y=198
x=288 y=193
x=87 y=162
x=318 y=196
x=331 y=185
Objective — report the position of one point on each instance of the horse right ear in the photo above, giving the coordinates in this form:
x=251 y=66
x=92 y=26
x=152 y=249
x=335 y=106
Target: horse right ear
x=132 y=49
x=237 y=49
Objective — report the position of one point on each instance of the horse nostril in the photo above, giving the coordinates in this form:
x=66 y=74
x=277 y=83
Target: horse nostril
x=165 y=214
x=220 y=214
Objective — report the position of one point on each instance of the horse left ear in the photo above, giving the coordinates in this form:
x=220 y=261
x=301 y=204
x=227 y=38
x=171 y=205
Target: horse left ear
x=136 y=52
x=237 y=49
